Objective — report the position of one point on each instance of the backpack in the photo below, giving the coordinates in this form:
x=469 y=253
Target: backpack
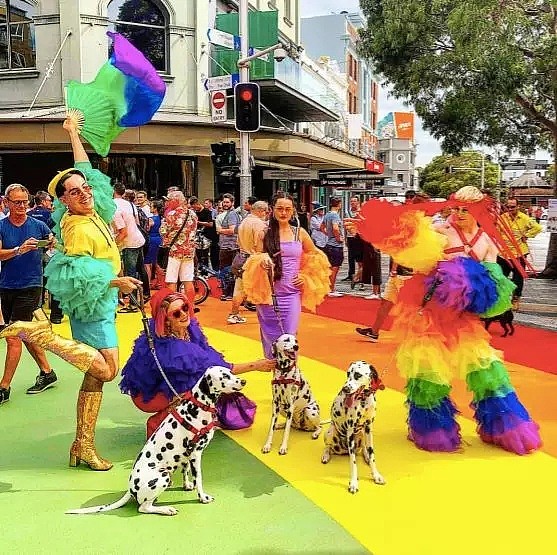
x=142 y=222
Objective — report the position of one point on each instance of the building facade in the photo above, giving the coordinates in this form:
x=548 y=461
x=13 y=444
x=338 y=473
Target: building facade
x=335 y=36
x=44 y=44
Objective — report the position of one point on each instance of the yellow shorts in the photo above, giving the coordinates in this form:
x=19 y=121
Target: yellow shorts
x=393 y=286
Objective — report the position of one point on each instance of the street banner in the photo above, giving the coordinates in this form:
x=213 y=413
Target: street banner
x=404 y=125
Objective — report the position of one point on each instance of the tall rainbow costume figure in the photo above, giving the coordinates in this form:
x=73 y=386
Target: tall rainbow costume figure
x=437 y=320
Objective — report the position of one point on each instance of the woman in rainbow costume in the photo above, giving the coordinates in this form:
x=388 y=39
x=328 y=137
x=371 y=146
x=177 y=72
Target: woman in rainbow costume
x=437 y=319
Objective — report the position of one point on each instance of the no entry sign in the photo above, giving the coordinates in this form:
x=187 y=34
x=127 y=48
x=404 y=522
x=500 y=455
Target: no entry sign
x=218 y=106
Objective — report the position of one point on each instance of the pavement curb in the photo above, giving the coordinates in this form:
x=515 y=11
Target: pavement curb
x=536 y=308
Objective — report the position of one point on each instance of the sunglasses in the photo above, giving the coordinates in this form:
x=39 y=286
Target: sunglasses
x=77 y=191
x=185 y=309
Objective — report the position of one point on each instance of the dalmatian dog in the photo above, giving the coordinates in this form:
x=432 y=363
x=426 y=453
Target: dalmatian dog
x=179 y=441
x=352 y=416
x=292 y=396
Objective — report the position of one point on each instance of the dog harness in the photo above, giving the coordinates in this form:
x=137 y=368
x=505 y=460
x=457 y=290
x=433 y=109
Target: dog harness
x=467 y=247
x=286 y=381
x=198 y=433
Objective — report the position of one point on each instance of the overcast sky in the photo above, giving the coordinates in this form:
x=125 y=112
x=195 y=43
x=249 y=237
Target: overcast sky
x=428 y=147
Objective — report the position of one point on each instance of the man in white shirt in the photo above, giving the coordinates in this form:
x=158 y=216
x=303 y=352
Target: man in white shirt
x=128 y=237
x=142 y=202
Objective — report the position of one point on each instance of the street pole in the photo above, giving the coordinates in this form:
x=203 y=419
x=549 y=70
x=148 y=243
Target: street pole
x=245 y=167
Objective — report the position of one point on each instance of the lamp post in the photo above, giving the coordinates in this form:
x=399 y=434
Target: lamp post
x=243 y=66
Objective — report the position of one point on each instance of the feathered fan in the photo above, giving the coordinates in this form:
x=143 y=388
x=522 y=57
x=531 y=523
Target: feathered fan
x=126 y=92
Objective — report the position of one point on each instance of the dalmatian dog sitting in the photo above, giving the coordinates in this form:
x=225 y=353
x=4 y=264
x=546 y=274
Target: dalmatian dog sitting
x=292 y=396
x=352 y=416
x=179 y=441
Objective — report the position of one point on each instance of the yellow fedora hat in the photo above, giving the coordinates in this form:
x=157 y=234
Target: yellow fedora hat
x=56 y=179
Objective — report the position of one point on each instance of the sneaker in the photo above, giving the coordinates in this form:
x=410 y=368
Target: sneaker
x=225 y=298
x=4 y=395
x=249 y=306
x=44 y=381
x=369 y=333
x=56 y=319
x=236 y=319
x=335 y=294
x=373 y=297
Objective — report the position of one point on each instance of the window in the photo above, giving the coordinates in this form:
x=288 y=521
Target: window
x=17 y=34
x=145 y=24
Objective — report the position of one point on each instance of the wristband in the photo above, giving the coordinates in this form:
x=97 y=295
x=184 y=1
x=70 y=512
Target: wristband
x=16 y=250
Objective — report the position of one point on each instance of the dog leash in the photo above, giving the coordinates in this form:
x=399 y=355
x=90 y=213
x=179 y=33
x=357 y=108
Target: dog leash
x=270 y=275
x=140 y=304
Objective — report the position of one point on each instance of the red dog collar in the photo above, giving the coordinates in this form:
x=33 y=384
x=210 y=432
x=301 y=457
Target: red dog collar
x=286 y=381
x=187 y=396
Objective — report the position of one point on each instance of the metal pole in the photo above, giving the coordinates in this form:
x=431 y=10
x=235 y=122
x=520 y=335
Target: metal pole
x=245 y=169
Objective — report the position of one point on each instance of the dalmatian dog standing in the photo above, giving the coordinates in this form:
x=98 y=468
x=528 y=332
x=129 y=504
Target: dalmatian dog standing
x=292 y=397
x=179 y=441
x=352 y=416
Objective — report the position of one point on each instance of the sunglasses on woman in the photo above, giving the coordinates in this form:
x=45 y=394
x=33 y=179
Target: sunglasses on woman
x=185 y=309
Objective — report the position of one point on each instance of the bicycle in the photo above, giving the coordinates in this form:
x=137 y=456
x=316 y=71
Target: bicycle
x=201 y=283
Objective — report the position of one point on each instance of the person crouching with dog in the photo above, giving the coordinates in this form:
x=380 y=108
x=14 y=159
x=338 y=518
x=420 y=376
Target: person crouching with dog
x=83 y=276
x=184 y=355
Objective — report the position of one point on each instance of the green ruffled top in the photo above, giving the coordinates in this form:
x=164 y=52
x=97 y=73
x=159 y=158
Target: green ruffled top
x=79 y=274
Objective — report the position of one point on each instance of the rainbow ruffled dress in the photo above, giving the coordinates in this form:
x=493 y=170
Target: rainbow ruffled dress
x=440 y=335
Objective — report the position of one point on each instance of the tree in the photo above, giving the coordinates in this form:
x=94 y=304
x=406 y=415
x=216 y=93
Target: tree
x=477 y=71
x=447 y=173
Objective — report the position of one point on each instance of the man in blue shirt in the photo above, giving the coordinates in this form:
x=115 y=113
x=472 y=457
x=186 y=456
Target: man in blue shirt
x=42 y=211
x=21 y=281
x=334 y=249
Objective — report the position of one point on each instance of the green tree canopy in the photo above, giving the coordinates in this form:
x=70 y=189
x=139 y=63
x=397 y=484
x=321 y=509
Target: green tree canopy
x=478 y=72
x=447 y=173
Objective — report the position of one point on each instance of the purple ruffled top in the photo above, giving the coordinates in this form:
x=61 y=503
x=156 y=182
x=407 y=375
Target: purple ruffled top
x=184 y=362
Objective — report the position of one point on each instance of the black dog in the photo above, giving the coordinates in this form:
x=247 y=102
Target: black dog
x=506 y=321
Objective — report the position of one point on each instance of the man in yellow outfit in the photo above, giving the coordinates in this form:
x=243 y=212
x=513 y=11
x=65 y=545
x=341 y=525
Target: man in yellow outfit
x=522 y=228
x=84 y=278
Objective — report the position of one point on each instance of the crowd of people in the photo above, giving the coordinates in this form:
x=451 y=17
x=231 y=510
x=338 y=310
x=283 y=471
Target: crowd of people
x=91 y=243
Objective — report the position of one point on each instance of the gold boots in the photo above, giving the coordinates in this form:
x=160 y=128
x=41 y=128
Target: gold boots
x=83 y=448
x=40 y=332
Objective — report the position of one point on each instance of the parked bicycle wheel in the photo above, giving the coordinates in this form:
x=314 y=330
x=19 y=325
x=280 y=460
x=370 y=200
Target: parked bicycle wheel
x=201 y=288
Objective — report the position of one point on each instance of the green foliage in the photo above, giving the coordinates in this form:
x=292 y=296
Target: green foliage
x=437 y=181
x=477 y=71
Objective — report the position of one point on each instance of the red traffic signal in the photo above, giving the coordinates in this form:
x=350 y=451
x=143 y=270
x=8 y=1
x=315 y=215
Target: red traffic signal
x=247 y=107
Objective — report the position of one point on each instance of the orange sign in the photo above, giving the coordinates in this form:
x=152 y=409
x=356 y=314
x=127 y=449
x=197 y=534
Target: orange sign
x=404 y=124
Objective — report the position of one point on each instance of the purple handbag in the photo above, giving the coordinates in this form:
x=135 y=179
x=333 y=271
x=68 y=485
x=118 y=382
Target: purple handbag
x=235 y=411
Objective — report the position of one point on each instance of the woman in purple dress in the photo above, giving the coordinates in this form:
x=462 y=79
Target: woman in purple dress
x=298 y=270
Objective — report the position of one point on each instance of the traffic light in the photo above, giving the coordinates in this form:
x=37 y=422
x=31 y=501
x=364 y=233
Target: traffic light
x=224 y=158
x=247 y=107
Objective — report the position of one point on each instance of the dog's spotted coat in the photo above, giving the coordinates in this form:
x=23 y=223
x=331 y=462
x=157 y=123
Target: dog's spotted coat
x=179 y=441
x=292 y=396
x=352 y=418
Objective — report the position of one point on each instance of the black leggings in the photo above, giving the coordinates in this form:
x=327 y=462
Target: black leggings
x=516 y=277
